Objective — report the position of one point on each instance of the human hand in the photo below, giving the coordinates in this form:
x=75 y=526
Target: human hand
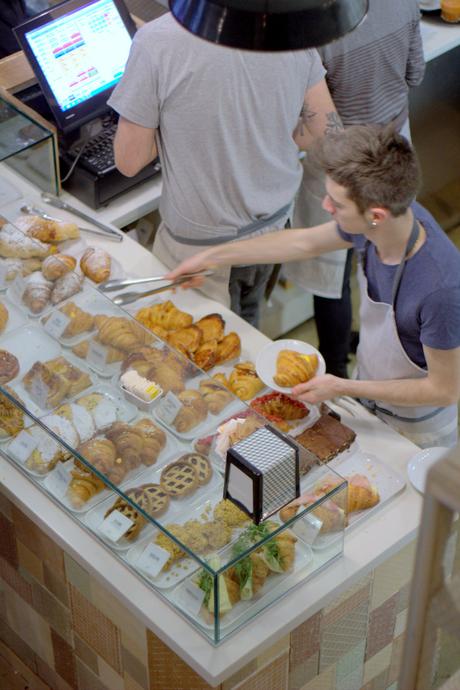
x=194 y=264
x=319 y=389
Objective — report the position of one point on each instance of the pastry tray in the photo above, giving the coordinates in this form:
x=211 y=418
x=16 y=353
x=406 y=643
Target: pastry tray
x=177 y=507
x=16 y=290
x=16 y=318
x=304 y=563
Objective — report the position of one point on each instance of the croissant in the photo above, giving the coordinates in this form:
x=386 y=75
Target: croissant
x=15 y=244
x=83 y=486
x=129 y=443
x=112 y=355
x=4 y=315
x=168 y=379
x=215 y=397
x=222 y=379
x=96 y=264
x=165 y=315
x=193 y=411
x=293 y=368
x=206 y=355
x=186 y=340
x=331 y=515
x=154 y=441
x=244 y=381
x=361 y=493
x=37 y=293
x=123 y=333
x=66 y=286
x=80 y=321
x=228 y=348
x=212 y=327
x=57 y=265
x=47 y=230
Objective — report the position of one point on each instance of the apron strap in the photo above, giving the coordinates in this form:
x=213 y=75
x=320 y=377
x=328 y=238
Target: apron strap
x=241 y=232
x=413 y=237
x=373 y=407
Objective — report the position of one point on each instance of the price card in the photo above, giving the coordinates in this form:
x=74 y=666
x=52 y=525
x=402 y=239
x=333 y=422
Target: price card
x=115 y=525
x=308 y=528
x=17 y=288
x=56 y=324
x=168 y=408
x=39 y=391
x=22 y=447
x=97 y=355
x=193 y=597
x=152 y=559
x=58 y=480
x=3 y=274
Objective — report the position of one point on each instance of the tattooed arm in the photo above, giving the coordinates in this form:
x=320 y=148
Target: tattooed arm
x=318 y=116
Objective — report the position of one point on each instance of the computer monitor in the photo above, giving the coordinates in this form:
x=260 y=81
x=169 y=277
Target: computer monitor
x=78 y=51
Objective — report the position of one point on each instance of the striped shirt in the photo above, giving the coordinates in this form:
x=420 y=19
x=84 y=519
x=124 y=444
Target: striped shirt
x=370 y=70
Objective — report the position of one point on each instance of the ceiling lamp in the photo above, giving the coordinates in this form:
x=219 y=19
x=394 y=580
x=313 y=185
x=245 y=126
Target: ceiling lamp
x=269 y=24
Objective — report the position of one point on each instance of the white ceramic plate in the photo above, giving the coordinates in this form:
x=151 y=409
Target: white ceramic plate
x=420 y=463
x=266 y=360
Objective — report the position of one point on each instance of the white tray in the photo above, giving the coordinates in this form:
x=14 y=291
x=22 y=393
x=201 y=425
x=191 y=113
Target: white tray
x=16 y=318
x=29 y=344
x=304 y=558
x=176 y=508
x=16 y=297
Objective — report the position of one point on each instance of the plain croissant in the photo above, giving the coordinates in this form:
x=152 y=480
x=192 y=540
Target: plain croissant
x=293 y=368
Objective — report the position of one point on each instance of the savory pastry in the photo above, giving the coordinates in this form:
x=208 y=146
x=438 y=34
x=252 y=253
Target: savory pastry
x=229 y=348
x=15 y=244
x=166 y=315
x=37 y=293
x=4 y=315
x=211 y=327
x=244 y=382
x=11 y=416
x=215 y=396
x=9 y=366
x=57 y=265
x=277 y=407
x=66 y=286
x=47 y=230
x=186 y=340
x=206 y=355
x=45 y=386
x=112 y=353
x=179 y=479
x=293 y=368
x=193 y=411
x=123 y=333
x=77 y=379
x=200 y=464
x=80 y=320
x=49 y=452
x=96 y=264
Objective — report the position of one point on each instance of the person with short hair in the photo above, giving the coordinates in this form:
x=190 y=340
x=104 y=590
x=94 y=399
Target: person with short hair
x=408 y=359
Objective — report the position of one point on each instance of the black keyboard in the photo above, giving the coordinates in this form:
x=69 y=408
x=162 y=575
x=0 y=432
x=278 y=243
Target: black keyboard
x=97 y=155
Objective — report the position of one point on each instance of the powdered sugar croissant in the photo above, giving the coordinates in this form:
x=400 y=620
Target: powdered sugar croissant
x=293 y=368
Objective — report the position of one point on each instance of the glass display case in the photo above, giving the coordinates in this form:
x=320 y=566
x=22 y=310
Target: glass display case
x=130 y=437
x=27 y=144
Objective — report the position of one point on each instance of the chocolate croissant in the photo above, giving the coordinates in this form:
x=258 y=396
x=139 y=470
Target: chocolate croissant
x=293 y=368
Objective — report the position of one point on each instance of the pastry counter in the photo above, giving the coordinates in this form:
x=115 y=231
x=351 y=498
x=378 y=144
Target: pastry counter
x=136 y=633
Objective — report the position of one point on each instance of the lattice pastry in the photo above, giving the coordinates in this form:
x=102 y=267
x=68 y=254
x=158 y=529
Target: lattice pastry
x=179 y=479
x=200 y=464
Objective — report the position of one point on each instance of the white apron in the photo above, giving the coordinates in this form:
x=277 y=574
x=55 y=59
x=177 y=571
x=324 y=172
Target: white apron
x=171 y=249
x=381 y=356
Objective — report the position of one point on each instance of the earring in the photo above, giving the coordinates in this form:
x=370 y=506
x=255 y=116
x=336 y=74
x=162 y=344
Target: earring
x=374 y=224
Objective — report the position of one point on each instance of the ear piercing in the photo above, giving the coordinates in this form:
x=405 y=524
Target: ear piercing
x=374 y=224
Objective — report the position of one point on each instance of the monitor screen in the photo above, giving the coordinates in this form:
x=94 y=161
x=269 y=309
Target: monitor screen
x=78 y=51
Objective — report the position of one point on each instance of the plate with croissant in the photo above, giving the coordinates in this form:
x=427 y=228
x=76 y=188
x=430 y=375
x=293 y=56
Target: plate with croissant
x=283 y=364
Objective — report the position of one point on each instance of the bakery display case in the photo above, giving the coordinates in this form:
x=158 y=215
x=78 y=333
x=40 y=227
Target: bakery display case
x=129 y=435
x=27 y=144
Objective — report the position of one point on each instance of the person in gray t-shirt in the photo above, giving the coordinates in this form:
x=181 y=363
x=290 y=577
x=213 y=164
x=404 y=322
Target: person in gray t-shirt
x=222 y=122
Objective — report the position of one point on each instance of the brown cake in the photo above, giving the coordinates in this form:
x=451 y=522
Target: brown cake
x=326 y=438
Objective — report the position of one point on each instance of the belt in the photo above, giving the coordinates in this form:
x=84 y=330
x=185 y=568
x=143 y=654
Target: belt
x=373 y=407
x=241 y=232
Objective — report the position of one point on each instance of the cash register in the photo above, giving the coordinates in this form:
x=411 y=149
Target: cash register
x=78 y=50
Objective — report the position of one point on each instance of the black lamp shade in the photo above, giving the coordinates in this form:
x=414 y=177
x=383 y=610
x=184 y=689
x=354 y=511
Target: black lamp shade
x=269 y=25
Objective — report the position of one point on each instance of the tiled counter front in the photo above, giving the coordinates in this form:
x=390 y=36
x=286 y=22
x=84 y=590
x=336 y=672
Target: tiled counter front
x=64 y=631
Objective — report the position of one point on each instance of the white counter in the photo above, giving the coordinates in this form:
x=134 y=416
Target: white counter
x=370 y=543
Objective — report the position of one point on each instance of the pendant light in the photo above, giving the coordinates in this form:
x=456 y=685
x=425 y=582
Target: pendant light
x=269 y=25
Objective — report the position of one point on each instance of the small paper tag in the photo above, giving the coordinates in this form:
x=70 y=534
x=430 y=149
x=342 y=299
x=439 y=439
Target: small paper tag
x=168 y=408
x=39 y=391
x=3 y=273
x=17 y=288
x=58 y=480
x=97 y=355
x=115 y=525
x=152 y=559
x=308 y=528
x=56 y=324
x=22 y=447
x=193 y=597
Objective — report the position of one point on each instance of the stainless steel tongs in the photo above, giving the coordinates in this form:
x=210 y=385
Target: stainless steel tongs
x=128 y=297
x=55 y=201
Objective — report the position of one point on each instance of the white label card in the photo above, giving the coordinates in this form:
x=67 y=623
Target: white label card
x=56 y=324
x=115 y=525
x=3 y=273
x=97 y=355
x=152 y=559
x=17 y=288
x=22 y=447
x=193 y=597
x=168 y=408
x=58 y=480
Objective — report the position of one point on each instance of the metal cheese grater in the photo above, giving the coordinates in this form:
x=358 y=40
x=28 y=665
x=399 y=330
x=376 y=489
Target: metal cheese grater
x=262 y=473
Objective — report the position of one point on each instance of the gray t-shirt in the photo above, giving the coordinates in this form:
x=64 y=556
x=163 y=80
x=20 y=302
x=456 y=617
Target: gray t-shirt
x=428 y=300
x=225 y=119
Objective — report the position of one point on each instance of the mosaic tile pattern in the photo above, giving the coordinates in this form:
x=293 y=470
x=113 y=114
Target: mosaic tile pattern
x=64 y=631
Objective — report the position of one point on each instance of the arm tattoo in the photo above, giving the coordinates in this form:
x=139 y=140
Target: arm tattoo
x=334 y=123
x=306 y=114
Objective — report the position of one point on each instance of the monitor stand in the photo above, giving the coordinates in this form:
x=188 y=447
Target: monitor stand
x=94 y=190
